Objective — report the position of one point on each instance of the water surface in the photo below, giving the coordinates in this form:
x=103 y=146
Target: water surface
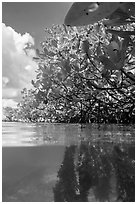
x=67 y=162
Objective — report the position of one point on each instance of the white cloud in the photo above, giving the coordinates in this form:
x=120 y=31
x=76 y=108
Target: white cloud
x=5 y=80
x=9 y=103
x=29 y=67
x=18 y=69
x=8 y=93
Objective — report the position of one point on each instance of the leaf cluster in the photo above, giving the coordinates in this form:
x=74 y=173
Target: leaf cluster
x=85 y=74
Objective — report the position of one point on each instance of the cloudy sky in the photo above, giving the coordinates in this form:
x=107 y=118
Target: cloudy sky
x=24 y=22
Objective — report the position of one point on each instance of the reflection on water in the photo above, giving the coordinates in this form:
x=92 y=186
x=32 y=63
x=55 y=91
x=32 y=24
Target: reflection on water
x=30 y=134
x=64 y=163
x=96 y=172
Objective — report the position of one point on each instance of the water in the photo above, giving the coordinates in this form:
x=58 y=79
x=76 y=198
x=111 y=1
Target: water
x=64 y=162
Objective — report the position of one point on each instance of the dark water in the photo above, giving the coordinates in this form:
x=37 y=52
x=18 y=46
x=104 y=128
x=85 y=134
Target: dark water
x=61 y=162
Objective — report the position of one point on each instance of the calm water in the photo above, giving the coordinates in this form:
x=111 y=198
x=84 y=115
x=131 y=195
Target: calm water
x=64 y=162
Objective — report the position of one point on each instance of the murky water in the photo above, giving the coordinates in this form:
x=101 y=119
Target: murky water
x=64 y=162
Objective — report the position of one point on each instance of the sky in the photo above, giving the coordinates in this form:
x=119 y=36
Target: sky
x=24 y=22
